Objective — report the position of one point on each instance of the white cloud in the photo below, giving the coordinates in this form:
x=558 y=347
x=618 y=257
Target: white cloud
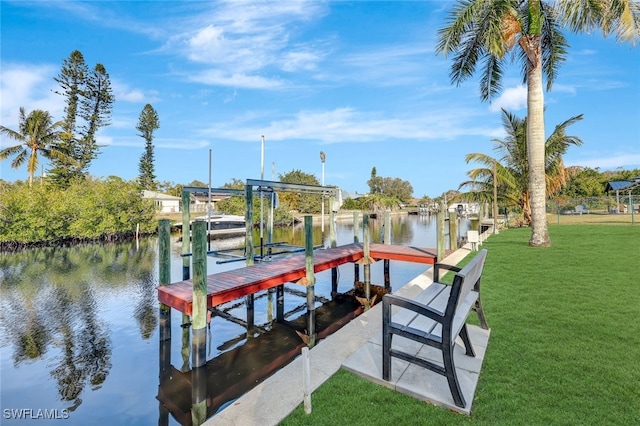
x=512 y=99
x=346 y=124
x=31 y=87
x=238 y=41
x=222 y=78
x=624 y=160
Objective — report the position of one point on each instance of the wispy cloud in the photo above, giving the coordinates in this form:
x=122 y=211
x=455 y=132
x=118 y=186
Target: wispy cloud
x=242 y=44
x=346 y=124
x=621 y=160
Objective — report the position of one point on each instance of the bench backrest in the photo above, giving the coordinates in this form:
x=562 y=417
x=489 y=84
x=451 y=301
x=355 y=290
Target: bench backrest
x=466 y=279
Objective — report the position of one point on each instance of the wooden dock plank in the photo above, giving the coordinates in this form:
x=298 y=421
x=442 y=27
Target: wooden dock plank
x=230 y=285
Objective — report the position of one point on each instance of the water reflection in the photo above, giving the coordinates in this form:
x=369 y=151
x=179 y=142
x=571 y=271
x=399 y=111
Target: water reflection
x=77 y=327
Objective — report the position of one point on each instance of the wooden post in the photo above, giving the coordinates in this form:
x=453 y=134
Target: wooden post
x=310 y=280
x=440 y=233
x=366 y=258
x=250 y=303
x=453 y=230
x=387 y=240
x=306 y=380
x=334 y=243
x=356 y=270
x=164 y=275
x=248 y=217
x=199 y=309
x=280 y=304
x=186 y=234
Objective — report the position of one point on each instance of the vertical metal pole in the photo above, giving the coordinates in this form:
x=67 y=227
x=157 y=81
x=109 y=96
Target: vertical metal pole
x=209 y=206
x=322 y=158
x=186 y=234
x=248 y=217
x=440 y=233
x=387 y=240
x=367 y=267
x=310 y=280
x=199 y=307
x=261 y=198
x=334 y=243
x=356 y=226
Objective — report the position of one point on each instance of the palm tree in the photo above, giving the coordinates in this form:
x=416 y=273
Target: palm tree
x=38 y=135
x=512 y=167
x=484 y=31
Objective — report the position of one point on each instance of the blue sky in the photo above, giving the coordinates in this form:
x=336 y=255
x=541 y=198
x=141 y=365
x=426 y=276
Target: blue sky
x=357 y=80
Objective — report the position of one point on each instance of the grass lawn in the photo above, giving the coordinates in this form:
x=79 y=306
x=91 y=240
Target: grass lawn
x=564 y=346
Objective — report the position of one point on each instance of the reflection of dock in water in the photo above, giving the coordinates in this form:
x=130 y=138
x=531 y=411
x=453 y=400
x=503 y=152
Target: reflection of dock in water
x=231 y=374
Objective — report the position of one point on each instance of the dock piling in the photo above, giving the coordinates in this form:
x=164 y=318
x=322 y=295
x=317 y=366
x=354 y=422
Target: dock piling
x=199 y=315
x=334 y=243
x=366 y=258
x=387 y=240
x=356 y=225
x=164 y=275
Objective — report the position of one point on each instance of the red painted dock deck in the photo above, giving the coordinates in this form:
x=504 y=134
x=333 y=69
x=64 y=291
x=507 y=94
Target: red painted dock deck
x=230 y=285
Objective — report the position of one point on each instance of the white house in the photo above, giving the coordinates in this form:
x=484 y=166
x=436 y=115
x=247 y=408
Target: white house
x=164 y=203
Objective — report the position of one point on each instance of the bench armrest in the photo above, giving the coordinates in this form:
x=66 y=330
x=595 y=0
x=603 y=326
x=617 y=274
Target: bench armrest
x=391 y=299
x=438 y=266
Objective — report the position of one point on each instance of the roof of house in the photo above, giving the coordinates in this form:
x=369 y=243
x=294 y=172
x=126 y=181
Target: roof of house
x=158 y=195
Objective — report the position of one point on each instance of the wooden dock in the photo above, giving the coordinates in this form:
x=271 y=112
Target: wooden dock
x=230 y=285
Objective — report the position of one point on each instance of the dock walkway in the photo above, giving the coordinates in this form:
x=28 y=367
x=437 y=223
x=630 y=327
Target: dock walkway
x=225 y=286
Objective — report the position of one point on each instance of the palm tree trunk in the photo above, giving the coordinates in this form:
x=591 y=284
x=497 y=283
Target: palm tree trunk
x=536 y=143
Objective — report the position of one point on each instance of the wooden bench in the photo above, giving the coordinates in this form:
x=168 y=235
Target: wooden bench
x=435 y=318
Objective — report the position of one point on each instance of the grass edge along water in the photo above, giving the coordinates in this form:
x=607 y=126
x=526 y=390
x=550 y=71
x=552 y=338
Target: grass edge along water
x=565 y=340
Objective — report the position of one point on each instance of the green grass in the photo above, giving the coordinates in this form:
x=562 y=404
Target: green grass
x=564 y=346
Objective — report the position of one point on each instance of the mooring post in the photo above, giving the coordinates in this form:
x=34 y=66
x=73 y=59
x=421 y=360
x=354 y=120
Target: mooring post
x=164 y=311
x=453 y=230
x=164 y=275
x=186 y=234
x=199 y=307
x=334 y=243
x=280 y=304
x=250 y=304
x=310 y=280
x=440 y=233
x=356 y=227
x=366 y=258
x=387 y=240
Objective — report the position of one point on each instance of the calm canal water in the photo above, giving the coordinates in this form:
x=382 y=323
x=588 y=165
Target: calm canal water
x=79 y=334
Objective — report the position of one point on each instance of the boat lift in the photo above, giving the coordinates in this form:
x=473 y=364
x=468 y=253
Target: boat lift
x=270 y=188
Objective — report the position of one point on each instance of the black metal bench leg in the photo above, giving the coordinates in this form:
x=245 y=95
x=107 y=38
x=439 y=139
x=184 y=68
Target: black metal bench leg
x=386 y=341
x=464 y=334
x=452 y=378
x=478 y=308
